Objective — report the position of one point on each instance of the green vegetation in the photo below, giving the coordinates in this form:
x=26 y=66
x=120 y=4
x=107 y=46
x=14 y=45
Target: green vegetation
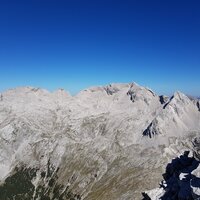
x=19 y=186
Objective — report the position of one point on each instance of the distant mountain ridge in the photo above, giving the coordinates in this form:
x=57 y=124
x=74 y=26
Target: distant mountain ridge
x=109 y=142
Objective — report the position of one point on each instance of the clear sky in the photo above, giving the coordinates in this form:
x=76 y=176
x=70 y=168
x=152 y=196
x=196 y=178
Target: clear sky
x=73 y=44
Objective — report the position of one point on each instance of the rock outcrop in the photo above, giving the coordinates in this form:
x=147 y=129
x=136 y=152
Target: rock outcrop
x=181 y=180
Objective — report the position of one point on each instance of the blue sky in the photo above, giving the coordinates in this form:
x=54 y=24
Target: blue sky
x=73 y=44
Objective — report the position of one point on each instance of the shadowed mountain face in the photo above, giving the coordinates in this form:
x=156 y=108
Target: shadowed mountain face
x=105 y=143
x=181 y=180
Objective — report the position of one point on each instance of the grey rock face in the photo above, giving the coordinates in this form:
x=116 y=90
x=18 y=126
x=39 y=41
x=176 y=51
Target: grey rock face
x=181 y=180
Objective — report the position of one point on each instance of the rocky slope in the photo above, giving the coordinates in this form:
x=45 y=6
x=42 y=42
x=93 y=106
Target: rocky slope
x=105 y=143
x=181 y=179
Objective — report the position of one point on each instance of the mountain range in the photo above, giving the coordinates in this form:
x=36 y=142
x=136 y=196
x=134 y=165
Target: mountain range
x=105 y=143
